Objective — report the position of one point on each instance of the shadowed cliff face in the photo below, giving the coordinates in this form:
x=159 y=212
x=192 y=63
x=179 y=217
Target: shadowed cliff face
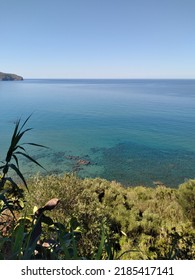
x=10 y=77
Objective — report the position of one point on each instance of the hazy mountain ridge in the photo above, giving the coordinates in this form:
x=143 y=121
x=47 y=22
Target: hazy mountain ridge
x=9 y=77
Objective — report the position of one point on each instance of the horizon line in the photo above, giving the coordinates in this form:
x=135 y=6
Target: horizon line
x=60 y=78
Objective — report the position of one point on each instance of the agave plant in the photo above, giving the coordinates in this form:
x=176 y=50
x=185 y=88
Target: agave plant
x=11 y=194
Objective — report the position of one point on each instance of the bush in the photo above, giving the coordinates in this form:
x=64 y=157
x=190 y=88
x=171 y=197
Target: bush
x=186 y=196
x=139 y=221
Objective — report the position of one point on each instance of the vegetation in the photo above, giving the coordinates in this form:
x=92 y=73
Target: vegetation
x=10 y=77
x=65 y=217
x=141 y=223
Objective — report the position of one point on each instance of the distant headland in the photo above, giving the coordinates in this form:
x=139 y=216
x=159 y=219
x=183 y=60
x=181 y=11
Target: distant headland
x=10 y=77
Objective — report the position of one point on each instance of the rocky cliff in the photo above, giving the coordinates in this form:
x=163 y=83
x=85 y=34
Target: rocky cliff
x=9 y=77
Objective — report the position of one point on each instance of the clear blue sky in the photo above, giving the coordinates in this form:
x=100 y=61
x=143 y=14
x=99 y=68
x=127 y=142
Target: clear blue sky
x=98 y=38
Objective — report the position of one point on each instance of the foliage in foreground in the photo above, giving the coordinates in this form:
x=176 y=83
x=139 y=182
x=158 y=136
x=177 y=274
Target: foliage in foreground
x=21 y=233
x=90 y=218
x=140 y=222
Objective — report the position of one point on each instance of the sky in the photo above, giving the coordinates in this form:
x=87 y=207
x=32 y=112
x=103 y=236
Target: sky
x=98 y=38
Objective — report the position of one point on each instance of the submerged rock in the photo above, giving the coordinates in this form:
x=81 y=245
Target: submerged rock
x=72 y=157
x=83 y=162
x=78 y=162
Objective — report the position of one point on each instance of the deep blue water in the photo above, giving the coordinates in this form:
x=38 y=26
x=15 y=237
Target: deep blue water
x=133 y=131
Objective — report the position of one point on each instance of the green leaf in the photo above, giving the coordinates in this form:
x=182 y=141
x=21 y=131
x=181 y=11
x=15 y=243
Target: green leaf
x=18 y=173
x=15 y=140
x=64 y=247
x=25 y=122
x=19 y=147
x=47 y=220
x=37 y=145
x=15 y=132
x=101 y=246
x=16 y=160
x=12 y=182
x=19 y=136
x=74 y=246
x=18 y=240
x=6 y=202
x=30 y=158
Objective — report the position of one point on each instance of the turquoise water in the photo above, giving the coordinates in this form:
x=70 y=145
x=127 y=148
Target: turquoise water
x=133 y=131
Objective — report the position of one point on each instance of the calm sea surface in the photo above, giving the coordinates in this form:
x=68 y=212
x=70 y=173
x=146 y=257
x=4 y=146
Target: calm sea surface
x=133 y=131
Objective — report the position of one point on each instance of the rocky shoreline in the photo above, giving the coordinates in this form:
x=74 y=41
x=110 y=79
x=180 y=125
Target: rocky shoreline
x=10 y=77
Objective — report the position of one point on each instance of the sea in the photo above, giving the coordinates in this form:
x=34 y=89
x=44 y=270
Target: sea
x=136 y=132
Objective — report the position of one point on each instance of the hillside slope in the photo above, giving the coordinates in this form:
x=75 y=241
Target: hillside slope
x=10 y=77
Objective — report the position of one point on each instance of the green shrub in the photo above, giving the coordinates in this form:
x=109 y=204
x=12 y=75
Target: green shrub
x=139 y=221
x=186 y=195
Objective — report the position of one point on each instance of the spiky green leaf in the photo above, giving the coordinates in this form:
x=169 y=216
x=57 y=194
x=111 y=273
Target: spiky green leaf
x=25 y=122
x=37 y=145
x=19 y=147
x=15 y=168
x=101 y=246
x=30 y=158
x=16 y=160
